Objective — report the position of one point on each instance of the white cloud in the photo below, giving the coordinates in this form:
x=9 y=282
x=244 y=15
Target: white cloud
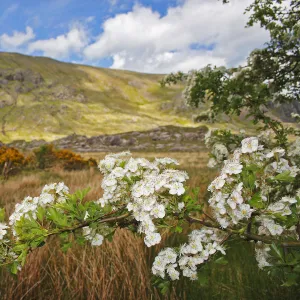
x=62 y=46
x=165 y=62
x=143 y=40
x=90 y=19
x=16 y=40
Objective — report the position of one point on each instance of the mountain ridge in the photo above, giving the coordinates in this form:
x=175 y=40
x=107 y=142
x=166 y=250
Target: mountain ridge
x=41 y=98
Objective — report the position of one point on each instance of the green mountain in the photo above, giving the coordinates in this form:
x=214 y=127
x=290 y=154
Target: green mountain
x=41 y=98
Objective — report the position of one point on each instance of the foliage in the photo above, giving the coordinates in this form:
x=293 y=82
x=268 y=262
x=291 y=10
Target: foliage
x=47 y=156
x=73 y=161
x=11 y=160
x=272 y=74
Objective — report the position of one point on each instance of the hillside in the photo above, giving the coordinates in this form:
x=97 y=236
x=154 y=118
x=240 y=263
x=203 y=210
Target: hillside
x=44 y=99
x=41 y=98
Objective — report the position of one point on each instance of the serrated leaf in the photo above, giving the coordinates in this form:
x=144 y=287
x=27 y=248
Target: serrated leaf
x=284 y=177
x=256 y=201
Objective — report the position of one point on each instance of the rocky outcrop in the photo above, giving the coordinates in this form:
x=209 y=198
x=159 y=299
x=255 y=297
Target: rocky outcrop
x=285 y=110
x=166 y=138
x=20 y=75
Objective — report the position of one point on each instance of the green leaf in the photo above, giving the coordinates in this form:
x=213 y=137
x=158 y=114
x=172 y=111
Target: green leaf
x=284 y=177
x=256 y=201
x=80 y=240
x=221 y=261
x=20 y=247
x=40 y=213
x=291 y=279
x=178 y=229
x=277 y=252
x=202 y=277
x=82 y=193
x=38 y=242
x=252 y=167
x=58 y=218
x=66 y=246
x=164 y=287
x=297 y=268
x=110 y=236
x=14 y=268
x=248 y=178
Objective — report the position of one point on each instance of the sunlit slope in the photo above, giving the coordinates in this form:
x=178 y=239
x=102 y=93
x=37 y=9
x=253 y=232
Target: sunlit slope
x=41 y=98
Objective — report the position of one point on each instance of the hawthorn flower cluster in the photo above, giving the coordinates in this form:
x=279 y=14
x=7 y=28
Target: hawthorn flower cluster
x=52 y=193
x=230 y=198
x=201 y=245
x=246 y=188
x=146 y=188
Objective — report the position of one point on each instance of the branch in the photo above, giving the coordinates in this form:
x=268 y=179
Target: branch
x=247 y=235
x=87 y=223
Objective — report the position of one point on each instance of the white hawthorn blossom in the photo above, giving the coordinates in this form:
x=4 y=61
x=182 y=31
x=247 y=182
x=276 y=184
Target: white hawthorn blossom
x=232 y=167
x=90 y=235
x=180 y=206
x=250 y=145
x=220 y=152
x=262 y=254
x=212 y=163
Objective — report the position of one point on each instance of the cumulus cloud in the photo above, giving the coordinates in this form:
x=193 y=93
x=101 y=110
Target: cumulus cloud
x=17 y=39
x=63 y=45
x=143 y=40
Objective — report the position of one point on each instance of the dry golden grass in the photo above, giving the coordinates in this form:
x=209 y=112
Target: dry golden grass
x=117 y=270
x=18 y=187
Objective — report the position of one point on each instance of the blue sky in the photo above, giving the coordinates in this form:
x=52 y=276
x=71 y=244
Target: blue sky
x=154 y=36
